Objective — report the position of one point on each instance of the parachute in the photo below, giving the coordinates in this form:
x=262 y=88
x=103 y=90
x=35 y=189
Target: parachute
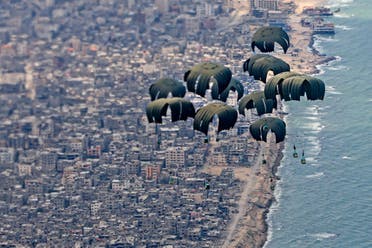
x=260 y=64
x=294 y=87
x=261 y=127
x=180 y=108
x=234 y=85
x=273 y=86
x=265 y=37
x=200 y=75
x=164 y=86
x=291 y=86
x=257 y=100
x=227 y=116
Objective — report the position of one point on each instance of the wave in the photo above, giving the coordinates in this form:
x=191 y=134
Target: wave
x=320 y=70
x=273 y=208
x=313 y=126
x=343 y=27
x=312 y=109
x=342 y=15
x=335 y=93
x=312 y=118
x=325 y=235
x=335 y=60
x=324 y=38
x=339 y=3
x=369 y=100
x=317 y=45
x=326 y=65
x=338 y=68
x=315 y=175
x=346 y=157
x=332 y=90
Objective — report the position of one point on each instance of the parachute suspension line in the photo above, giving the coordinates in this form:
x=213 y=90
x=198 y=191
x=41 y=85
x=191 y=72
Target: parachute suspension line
x=207 y=186
x=264 y=103
x=295 y=154
x=180 y=115
x=196 y=83
x=302 y=143
x=157 y=94
x=170 y=178
x=263 y=156
x=263 y=147
x=158 y=134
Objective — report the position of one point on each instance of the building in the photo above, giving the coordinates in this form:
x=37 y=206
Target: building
x=48 y=161
x=175 y=156
x=6 y=156
x=24 y=170
x=265 y=4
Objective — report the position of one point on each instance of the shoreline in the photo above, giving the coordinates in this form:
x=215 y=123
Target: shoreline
x=316 y=58
x=252 y=228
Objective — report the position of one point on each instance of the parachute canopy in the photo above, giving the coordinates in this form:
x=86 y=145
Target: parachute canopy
x=227 y=117
x=257 y=100
x=199 y=77
x=273 y=86
x=291 y=86
x=234 y=85
x=180 y=109
x=265 y=37
x=261 y=127
x=260 y=64
x=164 y=86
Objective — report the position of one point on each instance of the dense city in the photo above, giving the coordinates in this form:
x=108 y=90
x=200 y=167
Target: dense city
x=80 y=166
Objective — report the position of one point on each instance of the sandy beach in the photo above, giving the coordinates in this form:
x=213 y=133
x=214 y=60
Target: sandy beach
x=248 y=227
x=301 y=56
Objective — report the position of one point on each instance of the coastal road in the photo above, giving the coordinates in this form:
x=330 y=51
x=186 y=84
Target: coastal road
x=248 y=188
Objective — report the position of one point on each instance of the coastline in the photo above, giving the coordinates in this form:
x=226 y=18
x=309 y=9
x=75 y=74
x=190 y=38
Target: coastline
x=309 y=66
x=303 y=57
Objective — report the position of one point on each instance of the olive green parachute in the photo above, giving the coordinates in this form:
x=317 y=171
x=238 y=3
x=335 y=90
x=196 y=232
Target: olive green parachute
x=261 y=127
x=294 y=87
x=234 y=85
x=273 y=86
x=291 y=86
x=265 y=37
x=164 y=86
x=260 y=64
x=180 y=109
x=199 y=77
x=258 y=101
x=227 y=117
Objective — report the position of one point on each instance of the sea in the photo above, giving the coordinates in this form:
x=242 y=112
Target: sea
x=327 y=202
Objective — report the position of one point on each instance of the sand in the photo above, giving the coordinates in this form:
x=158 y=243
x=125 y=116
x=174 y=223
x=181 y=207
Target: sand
x=301 y=56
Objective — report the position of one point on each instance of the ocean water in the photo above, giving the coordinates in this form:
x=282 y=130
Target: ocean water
x=328 y=201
